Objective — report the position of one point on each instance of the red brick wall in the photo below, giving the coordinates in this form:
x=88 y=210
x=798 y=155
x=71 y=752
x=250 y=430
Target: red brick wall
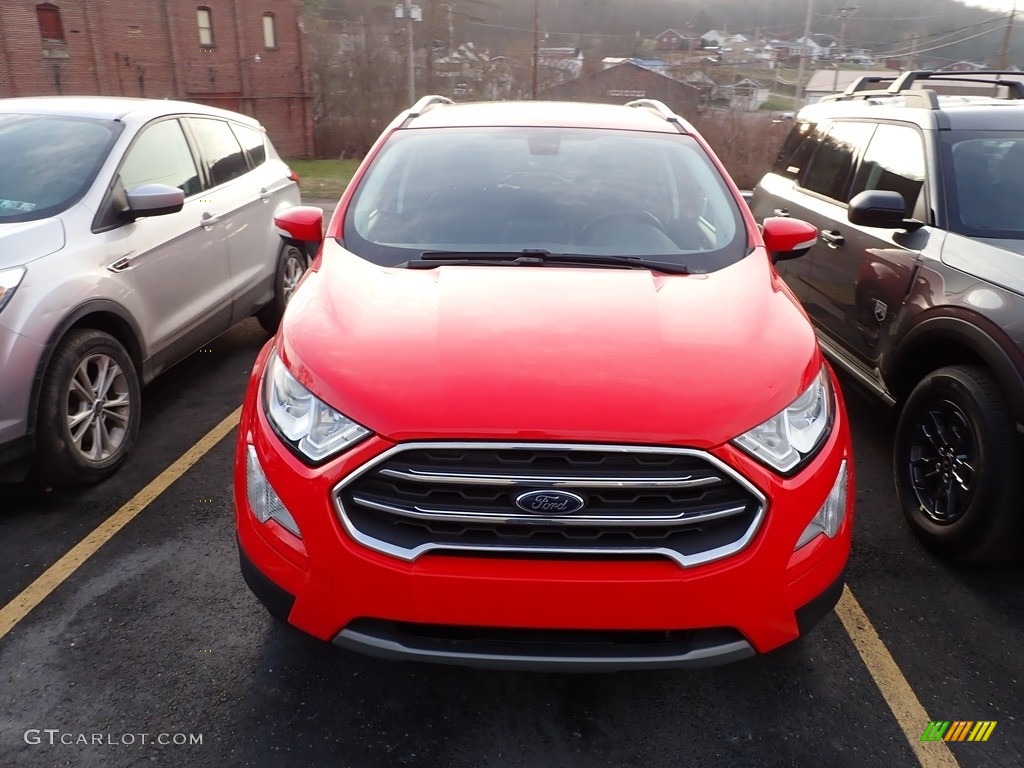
x=151 y=48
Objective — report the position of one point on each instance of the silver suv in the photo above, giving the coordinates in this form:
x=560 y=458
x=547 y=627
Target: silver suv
x=132 y=232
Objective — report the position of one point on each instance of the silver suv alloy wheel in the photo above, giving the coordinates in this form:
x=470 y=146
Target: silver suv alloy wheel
x=98 y=407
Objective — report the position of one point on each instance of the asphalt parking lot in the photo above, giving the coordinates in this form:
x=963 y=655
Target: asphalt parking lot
x=153 y=652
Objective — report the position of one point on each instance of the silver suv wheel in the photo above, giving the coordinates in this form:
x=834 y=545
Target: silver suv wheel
x=98 y=407
x=88 y=410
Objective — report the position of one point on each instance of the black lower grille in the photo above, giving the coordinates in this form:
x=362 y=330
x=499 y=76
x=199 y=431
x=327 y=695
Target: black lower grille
x=679 y=503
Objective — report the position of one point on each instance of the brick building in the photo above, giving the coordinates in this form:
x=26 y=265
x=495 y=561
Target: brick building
x=244 y=55
x=625 y=82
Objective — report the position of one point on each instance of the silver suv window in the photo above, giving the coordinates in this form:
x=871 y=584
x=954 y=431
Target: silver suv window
x=223 y=153
x=161 y=155
x=565 y=190
x=49 y=162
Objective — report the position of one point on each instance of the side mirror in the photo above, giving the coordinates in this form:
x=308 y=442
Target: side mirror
x=153 y=200
x=303 y=224
x=787 y=238
x=880 y=208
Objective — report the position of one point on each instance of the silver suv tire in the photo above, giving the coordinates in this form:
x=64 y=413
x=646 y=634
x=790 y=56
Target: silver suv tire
x=88 y=410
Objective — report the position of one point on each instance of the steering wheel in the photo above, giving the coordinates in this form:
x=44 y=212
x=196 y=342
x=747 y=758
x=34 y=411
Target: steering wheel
x=634 y=215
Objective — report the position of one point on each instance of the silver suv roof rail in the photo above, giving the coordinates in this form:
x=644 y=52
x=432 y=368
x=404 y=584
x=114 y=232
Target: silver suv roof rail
x=426 y=103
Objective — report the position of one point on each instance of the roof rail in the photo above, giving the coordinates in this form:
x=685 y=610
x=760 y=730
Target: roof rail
x=659 y=106
x=426 y=103
x=904 y=85
x=994 y=77
x=916 y=97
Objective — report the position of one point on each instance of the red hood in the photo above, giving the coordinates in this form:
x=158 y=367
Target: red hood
x=543 y=353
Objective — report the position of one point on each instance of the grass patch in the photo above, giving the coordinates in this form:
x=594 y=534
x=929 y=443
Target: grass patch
x=323 y=178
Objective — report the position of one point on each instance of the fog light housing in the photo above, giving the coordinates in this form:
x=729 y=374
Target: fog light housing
x=263 y=500
x=830 y=517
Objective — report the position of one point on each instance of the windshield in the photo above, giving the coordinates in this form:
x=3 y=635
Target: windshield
x=987 y=181
x=49 y=162
x=580 y=191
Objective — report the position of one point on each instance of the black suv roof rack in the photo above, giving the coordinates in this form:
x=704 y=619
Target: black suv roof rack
x=903 y=85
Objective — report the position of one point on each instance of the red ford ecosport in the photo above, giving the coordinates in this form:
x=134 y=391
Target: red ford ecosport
x=542 y=401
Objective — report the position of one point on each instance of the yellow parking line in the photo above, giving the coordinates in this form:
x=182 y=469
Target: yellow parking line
x=56 y=574
x=894 y=687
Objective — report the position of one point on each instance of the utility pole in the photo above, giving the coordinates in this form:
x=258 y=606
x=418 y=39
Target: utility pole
x=842 y=14
x=411 y=53
x=536 y=46
x=800 y=70
x=1006 y=38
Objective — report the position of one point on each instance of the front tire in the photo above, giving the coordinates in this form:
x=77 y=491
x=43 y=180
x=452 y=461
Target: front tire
x=956 y=462
x=89 y=408
x=291 y=266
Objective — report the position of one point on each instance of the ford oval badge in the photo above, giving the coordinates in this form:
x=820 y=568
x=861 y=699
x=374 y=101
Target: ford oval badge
x=550 y=502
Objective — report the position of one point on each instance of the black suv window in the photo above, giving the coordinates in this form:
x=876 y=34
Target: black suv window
x=987 y=182
x=829 y=171
x=797 y=150
x=894 y=161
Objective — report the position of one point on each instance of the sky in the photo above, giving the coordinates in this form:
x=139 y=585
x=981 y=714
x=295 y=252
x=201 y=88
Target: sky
x=996 y=5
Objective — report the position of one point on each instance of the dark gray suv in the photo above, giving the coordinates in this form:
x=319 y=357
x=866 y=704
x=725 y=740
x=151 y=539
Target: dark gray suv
x=916 y=283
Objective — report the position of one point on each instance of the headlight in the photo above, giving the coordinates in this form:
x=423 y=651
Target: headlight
x=794 y=435
x=9 y=280
x=307 y=424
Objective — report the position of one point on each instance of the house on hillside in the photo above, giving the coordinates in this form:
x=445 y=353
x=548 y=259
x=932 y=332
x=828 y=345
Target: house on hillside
x=234 y=54
x=747 y=94
x=558 y=65
x=707 y=87
x=965 y=66
x=670 y=40
x=462 y=67
x=826 y=81
x=625 y=82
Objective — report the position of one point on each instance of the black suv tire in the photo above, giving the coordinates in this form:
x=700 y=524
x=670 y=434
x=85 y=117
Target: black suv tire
x=956 y=462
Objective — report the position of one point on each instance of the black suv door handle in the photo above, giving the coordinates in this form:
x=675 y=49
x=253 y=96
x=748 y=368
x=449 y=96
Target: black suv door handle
x=781 y=211
x=833 y=238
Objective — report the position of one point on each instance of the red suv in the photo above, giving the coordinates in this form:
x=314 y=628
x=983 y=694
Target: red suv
x=542 y=401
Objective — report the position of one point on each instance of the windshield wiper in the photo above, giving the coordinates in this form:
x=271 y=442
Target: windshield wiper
x=539 y=257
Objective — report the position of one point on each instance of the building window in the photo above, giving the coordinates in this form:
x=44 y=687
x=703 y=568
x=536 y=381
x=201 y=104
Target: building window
x=269 y=34
x=50 y=26
x=205 y=20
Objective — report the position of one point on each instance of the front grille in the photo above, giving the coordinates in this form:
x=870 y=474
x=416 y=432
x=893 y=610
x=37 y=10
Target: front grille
x=677 y=503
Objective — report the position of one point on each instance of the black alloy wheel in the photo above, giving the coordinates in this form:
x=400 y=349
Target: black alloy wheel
x=956 y=463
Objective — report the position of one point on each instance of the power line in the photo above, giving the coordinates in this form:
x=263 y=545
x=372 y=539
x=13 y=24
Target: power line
x=914 y=51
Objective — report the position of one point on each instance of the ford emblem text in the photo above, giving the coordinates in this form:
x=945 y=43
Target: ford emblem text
x=549 y=502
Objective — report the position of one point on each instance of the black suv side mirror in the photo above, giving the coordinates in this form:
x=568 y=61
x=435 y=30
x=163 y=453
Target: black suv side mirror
x=880 y=208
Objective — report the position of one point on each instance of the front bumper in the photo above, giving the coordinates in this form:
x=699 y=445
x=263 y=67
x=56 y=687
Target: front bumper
x=540 y=612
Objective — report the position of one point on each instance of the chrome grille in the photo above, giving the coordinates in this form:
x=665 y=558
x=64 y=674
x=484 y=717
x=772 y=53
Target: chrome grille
x=638 y=502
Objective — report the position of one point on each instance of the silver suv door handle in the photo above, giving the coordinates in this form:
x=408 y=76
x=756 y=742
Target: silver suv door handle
x=208 y=220
x=834 y=239
x=265 y=194
x=781 y=212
